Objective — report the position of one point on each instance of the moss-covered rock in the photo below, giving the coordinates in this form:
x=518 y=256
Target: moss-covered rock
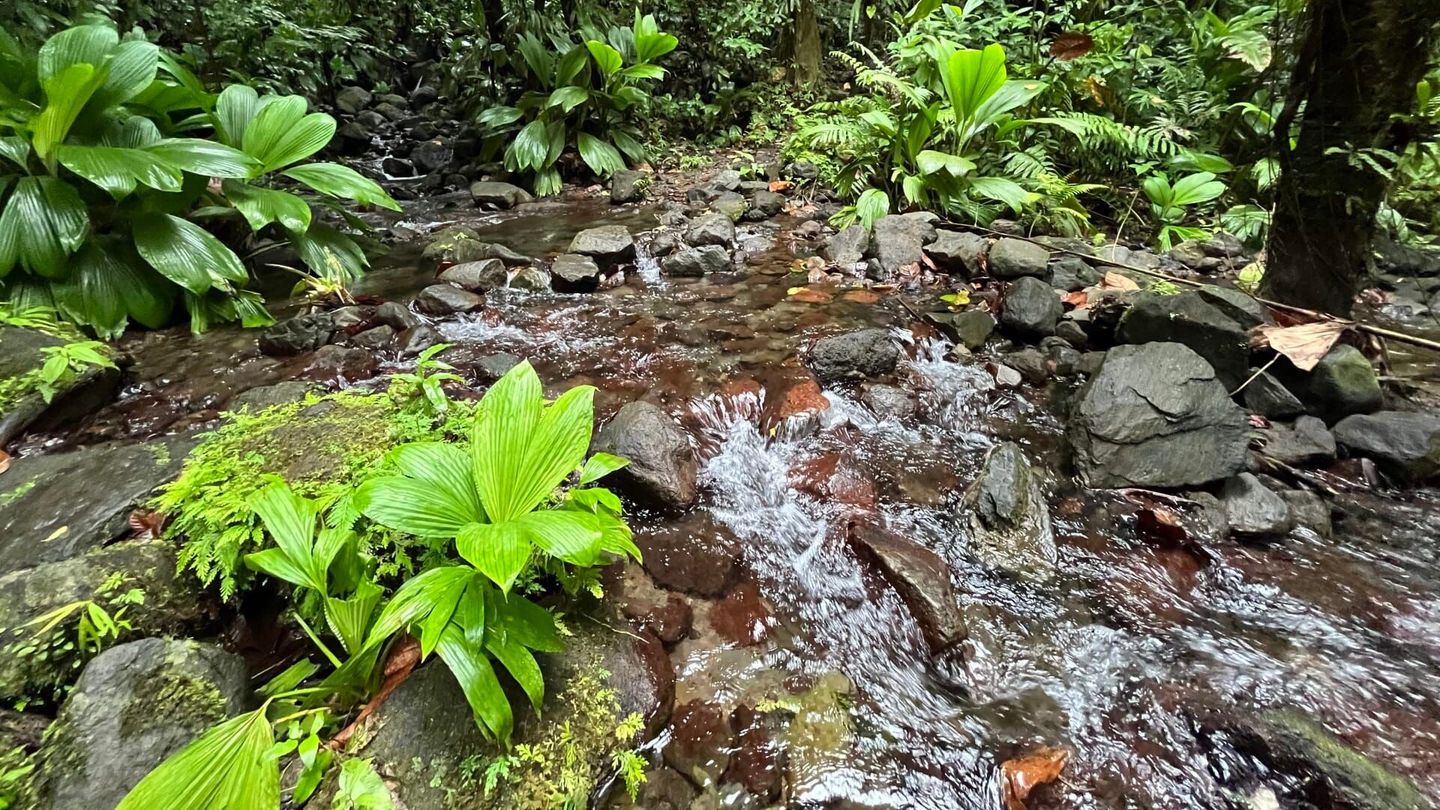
x=322 y=446
x=133 y=706
x=35 y=665
x=599 y=696
x=22 y=354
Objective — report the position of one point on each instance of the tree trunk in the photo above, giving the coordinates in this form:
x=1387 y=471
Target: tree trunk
x=1358 y=64
x=805 y=47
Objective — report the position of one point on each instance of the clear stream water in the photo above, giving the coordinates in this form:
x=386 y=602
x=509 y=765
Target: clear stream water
x=1116 y=658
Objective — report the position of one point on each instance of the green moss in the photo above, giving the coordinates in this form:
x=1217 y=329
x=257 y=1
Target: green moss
x=190 y=701
x=17 y=777
x=322 y=446
x=17 y=493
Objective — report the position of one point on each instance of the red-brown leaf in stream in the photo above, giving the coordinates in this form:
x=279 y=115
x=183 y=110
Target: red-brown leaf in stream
x=779 y=186
x=1161 y=527
x=1071 y=45
x=1039 y=767
x=809 y=296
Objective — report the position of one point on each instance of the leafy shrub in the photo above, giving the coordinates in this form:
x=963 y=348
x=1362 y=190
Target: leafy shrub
x=99 y=222
x=1171 y=203
x=583 y=95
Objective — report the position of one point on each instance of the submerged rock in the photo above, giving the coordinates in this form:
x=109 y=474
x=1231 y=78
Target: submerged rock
x=1156 y=416
x=1009 y=519
x=21 y=403
x=663 y=469
x=920 y=576
x=135 y=705
x=498 y=195
x=1405 y=445
x=1032 y=308
x=56 y=506
x=1252 y=509
x=696 y=554
x=853 y=356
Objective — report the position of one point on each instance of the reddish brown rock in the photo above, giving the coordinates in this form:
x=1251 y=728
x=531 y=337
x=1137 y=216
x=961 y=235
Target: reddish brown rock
x=700 y=742
x=695 y=554
x=741 y=617
x=756 y=762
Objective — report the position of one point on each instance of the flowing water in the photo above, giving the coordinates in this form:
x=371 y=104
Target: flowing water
x=1127 y=656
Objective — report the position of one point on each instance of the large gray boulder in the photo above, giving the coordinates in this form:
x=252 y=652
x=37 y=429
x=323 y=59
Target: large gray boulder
x=1343 y=383
x=172 y=603
x=958 y=251
x=447 y=299
x=498 y=195
x=1253 y=510
x=352 y=99
x=696 y=262
x=1406 y=446
x=477 y=276
x=628 y=185
x=1009 y=519
x=22 y=354
x=1156 y=416
x=135 y=705
x=607 y=244
x=854 y=356
x=711 y=229
x=848 y=247
x=1013 y=258
x=900 y=239
x=54 y=507
x=1032 y=308
x=297 y=335
x=1190 y=319
x=663 y=469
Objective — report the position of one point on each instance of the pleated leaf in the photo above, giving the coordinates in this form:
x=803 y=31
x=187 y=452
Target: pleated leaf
x=600 y=465
x=206 y=158
x=527 y=623
x=109 y=285
x=262 y=206
x=281 y=133
x=65 y=96
x=130 y=70
x=185 y=253
x=226 y=768
x=80 y=45
x=415 y=506
x=117 y=169
x=602 y=158
x=236 y=106
x=290 y=521
x=499 y=550
x=521 y=665
x=472 y=669
x=335 y=180
x=43 y=222
x=570 y=535
x=416 y=598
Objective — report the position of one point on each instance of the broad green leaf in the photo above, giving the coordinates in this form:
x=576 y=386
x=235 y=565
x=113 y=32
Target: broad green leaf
x=130 y=71
x=227 y=767
x=16 y=150
x=477 y=679
x=600 y=465
x=361 y=788
x=65 y=96
x=570 y=535
x=1197 y=188
x=349 y=619
x=206 y=158
x=281 y=133
x=329 y=253
x=109 y=285
x=931 y=162
x=602 y=158
x=118 y=169
x=575 y=62
x=236 y=106
x=971 y=77
x=415 y=506
x=431 y=627
x=568 y=98
x=415 y=599
x=872 y=205
x=521 y=665
x=42 y=223
x=1003 y=190
x=530 y=146
x=445 y=466
x=262 y=206
x=499 y=116
x=289 y=519
x=185 y=253
x=649 y=47
x=278 y=564
x=527 y=623
x=654 y=72
x=499 y=550
x=80 y=45
x=343 y=182
x=606 y=58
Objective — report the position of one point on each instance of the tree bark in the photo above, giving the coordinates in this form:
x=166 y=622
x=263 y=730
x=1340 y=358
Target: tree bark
x=805 y=46
x=1358 y=65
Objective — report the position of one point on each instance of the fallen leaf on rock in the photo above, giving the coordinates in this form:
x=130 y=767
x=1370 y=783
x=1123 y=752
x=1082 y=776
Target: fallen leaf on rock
x=957 y=299
x=1116 y=281
x=805 y=295
x=778 y=186
x=146 y=525
x=1305 y=345
x=1078 y=300
x=1161 y=527
x=1071 y=45
x=1020 y=776
x=862 y=296
x=402 y=661
x=4 y=461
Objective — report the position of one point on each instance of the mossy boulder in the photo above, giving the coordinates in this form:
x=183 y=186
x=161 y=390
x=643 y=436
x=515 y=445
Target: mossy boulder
x=600 y=693
x=40 y=667
x=321 y=446
x=135 y=705
x=22 y=354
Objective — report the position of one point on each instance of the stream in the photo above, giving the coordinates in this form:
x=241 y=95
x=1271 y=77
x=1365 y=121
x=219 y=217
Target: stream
x=1131 y=655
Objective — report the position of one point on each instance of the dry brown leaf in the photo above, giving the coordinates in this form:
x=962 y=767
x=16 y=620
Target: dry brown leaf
x=403 y=659
x=1116 y=281
x=778 y=186
x=1306 y=344
x=862 y=296
x=146 y=525
x=4 y=461
x=805 y=295
x=1071 y=45
x=1039 y=767
x=1078 y=300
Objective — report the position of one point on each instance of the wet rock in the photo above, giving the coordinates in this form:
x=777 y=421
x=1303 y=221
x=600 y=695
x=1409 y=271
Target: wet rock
x=389 y=112
x=969 y=328
x=77 y=395
x=353 y=99
x=423 y=736
x=341 y=363
x=741 y=617
x=801 y=170
x=495 y=366
x=1266 y=396
x=397 y=316
x=1190 y=253
x=1072 y=333
x=430 y=156
x=1156 y=416
x=173 y=603
x=958 y=251
x=1189 y=319
x=668 y=616
x=1326 y=771
x=628 y=185
x=848 y=247
x=852 y=356
x=1071 y=274
x=732 y=205
x=700 y=742
x=371 y=120
x=53 y=507
x=135 y=705
x=697 y=555
x=607 y=244
x=711 y=229
x=1254 y=510
x=756 y=761
x=888 y=401
x=498 y=195
x=374 y=339
x=920 y=577
x=1309 y=510
x=447 y=299
x=528 y=278
x=265 y=396
x=1307 y=442
x=303 y=333
x=1009 y=519
x=1343 y=383
x=663 y=468
x=477 y=276
x=1406 y=446
x=696 y=262
x=1032 y=308
x=899 y=240
x=764 y=204
x=664 y=789
x=1032 y=365
x=1236 y=305
x=572 y=272
x=346 y=318
x=415 y=340
x=1013 y=258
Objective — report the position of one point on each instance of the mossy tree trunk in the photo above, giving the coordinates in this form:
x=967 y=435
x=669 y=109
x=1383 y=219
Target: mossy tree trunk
x=1358 y=65
x=805 y=46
